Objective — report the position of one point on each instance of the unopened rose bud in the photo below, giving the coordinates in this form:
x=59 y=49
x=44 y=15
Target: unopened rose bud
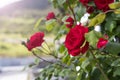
x=70 y=22
x=50 y=15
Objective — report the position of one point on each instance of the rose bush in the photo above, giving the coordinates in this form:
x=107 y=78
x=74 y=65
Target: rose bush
x=89 y=41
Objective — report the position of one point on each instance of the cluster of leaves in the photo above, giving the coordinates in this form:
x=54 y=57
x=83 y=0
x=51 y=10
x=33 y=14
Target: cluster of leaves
x=90 y=65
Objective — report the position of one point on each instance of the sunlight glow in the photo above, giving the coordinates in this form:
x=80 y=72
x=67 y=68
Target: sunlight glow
x=3 y=3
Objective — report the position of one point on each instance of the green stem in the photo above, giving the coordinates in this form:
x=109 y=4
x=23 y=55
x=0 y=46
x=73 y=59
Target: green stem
x=109 y=11
x=48 y=46
x=51 y=51
x=99 y=67
x=62 y=65
x=45 y=52
x=41 y=58
x=45 y=49
x=71 y=9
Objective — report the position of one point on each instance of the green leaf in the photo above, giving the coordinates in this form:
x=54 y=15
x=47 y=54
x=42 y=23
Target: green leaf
x=117 y=11
x=61 y=32
x=49 y=76
x=66 y=58
x=78 y=77
x=95 y=74
x=93 y=22
x=81 y=75
x=64 y=19
x=92 y=37
x=85 y=63
x=62 y=48
x=54 y=2
x=110 y=25
x=82 y=59
x=61 y=2
x=50 y=24
x=100 y=18
x=80 y=11
x=117 y=31
x=31 y=65
x=38 y=22
x=38 y=78
x=37 y=61
x=113 y=48
x=97 y=19
x=116 y=63
x=117 y=72
x=69 y=62
x=114 y=5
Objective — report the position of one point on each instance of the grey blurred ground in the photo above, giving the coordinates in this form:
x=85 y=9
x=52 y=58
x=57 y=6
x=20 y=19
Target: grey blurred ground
x=13 y=68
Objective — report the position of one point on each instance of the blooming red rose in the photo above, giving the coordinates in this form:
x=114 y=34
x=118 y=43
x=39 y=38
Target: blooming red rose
x=35 y=40
x=50 y=15
x=102 y=43
x=75 y=40
x=70 y=22
x=103 y=4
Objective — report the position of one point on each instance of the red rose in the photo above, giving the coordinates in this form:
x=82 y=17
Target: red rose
x=103 y=4
x=50 y=15
x=70 y=22
x=35 y=40
x=102 y=43
x=75 y=40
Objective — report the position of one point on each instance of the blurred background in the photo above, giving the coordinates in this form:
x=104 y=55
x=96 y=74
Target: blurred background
x=17 y=21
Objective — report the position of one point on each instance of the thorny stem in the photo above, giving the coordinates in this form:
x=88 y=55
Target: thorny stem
x=48 y=51
x=44 y=52
x=62 y=65
x=71 y=9
x=47 y=60
x=41 y=58
x=99 y=67
x=49 y=54
x=108 y=11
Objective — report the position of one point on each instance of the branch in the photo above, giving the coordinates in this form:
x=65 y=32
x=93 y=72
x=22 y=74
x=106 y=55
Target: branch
x=41 y=58
x=99 y=67
x=109 y=11
x=48 y=61
x=71 y=9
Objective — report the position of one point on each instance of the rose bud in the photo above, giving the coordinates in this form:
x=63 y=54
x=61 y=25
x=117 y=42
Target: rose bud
x=69 y=22
x=102 y=43
x=50 y=15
